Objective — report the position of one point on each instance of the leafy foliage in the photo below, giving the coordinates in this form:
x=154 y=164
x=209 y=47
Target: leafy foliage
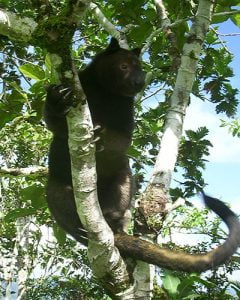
x=64 y=288
x=193 y=150
x=214 y=74
x=233 y=127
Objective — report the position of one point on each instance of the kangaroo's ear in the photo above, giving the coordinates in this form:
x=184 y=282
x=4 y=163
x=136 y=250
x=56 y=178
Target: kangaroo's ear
x=137 y=51
x=114 y=45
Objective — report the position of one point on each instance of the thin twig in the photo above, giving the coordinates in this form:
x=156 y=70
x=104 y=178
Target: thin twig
x=220 y=40
x=154 y=93
x=228 y=34
x=226 y=13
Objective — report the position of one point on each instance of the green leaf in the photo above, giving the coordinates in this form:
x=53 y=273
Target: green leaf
x=191 y=297
x=236 y=19
x=19 y=213
x=34 y=194
x=21 y=95
x=59 y=234
x=48 y=65
x=219 y=19
x=185 y=288
x=206 y=283
x=140 y=33
x=32 y=71
x=170 y=283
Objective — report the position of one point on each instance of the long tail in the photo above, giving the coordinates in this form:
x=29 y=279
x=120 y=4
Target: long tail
x=175 y=260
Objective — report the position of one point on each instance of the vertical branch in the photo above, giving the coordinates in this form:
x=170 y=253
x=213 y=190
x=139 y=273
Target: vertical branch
x=24 y=260
x=180 y=98
x=161 y=178
x=105 y=259
x=20 y=260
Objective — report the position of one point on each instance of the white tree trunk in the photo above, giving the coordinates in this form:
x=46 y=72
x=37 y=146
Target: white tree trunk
x=105 y=259
x=167 y=156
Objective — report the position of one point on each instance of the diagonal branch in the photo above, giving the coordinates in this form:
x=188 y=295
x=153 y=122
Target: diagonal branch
x=165 y=23
x=108 y=26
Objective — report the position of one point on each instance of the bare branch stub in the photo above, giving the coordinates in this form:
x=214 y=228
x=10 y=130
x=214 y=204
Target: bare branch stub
x=151 y=210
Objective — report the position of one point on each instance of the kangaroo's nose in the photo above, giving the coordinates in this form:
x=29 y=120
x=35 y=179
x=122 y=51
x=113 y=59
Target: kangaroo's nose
x=139 y=81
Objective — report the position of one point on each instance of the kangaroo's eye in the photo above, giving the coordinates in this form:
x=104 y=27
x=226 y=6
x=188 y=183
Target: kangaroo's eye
x=124 y=67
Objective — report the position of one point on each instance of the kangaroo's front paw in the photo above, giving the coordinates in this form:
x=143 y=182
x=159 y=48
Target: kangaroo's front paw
x=59 y=98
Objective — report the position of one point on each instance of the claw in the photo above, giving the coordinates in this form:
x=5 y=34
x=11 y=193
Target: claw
x=97 y=138
x=97 y=127
x=81 y=230
x=67 y=94
x=64 y=90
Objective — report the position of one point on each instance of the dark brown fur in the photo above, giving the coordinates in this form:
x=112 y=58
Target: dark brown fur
x=110 y=82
